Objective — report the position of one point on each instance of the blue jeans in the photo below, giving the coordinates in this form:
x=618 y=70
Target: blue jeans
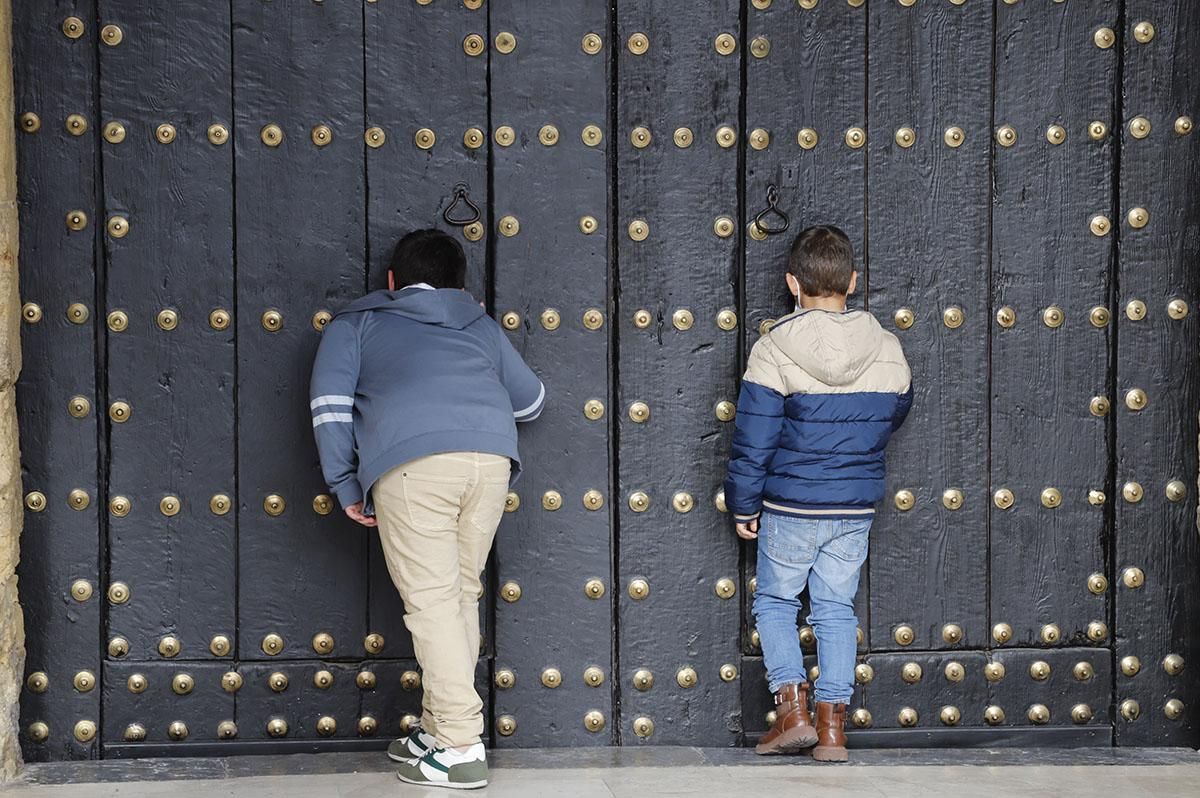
x=827 y=555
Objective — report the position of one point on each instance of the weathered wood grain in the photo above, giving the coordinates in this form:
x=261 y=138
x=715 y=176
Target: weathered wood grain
x=682 y=266
x=56 y=173
x=418 y=75
x=157 y=706
x=813 y=77
x=171 y=68
x=1157 y=445
x=550 y=265
x=1043 y=434
x=930 y=70
x=300 y=231
x=298 y=228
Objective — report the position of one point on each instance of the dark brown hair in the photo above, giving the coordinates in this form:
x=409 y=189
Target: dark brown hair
x=429 y=256
x=822 y=259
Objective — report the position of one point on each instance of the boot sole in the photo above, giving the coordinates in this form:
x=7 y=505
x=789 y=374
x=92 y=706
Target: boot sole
x=792 y=741
x=830 y=754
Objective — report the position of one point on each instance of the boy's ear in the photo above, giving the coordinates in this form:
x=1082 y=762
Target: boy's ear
x=794 y=285
x=853 y=283
x=392 y=281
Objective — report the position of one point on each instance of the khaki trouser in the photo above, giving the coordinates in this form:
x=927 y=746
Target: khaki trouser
x=437 y=519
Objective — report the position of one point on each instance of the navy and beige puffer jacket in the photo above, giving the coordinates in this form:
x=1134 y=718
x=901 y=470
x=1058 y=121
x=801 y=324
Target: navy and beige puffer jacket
x=822 y=394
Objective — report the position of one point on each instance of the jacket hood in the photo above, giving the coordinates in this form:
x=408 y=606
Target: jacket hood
x=445 y=307
x=836 y=348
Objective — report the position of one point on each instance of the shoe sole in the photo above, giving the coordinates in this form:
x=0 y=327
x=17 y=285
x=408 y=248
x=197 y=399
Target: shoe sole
x=792 y=741
x=452 y=785
x=395 y=758
x=830 y=754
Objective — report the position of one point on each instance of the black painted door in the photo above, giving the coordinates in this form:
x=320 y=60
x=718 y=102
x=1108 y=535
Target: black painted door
x=201 y=184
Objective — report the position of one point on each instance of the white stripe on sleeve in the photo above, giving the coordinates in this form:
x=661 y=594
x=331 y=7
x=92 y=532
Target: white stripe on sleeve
x=325 y=418
x=528 y=411
x=331 y=399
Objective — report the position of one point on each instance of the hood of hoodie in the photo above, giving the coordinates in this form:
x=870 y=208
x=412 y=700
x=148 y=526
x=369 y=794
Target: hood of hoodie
x=836 y=348
x=444 y=307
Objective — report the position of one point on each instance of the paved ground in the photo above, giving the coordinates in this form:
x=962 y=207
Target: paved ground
x=641 y=774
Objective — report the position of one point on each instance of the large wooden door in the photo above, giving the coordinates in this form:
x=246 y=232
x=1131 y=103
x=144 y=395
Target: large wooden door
x=202 y=184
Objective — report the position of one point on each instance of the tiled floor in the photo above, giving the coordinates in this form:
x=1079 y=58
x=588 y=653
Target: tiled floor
x=641 y=774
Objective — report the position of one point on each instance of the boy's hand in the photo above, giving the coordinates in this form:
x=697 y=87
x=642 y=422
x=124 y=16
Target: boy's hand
x=356 y=514
x=747 y=530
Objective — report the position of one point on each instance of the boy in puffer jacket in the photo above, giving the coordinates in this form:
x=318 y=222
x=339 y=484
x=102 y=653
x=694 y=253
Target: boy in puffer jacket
x=823 y=392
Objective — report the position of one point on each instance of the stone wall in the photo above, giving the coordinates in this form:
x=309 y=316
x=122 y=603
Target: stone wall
x=12 y=628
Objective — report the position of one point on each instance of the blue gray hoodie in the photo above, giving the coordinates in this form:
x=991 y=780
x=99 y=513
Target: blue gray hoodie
x=405 y=374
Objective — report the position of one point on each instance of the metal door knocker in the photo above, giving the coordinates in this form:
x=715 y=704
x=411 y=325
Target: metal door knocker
x=772 y=208
x=461 y=194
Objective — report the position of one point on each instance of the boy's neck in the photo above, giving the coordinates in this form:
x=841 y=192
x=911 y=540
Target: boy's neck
x=834 y=302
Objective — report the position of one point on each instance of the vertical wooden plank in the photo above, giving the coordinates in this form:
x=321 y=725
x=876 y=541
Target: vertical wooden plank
x=811 y=79
x=1156 y=445
x=677 y=275
x=54 y=78
x=423 y=70
x=551 y=283
x=930 y=72
x=426 y=67
x=805 y=74
x=300 y=246
x=1047 y=265
x=162 y=87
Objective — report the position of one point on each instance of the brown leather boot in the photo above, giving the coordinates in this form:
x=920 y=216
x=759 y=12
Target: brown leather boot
x=831 y=739
x=793 y=730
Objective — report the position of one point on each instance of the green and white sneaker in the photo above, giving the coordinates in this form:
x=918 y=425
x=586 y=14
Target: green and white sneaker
x=440 y=767
x=412 y=746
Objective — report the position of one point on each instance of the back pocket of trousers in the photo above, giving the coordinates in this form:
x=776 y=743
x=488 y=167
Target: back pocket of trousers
x=432 y=503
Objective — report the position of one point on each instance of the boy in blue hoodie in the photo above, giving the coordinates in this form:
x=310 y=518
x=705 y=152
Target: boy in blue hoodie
x=823 y=392
x=415 y=396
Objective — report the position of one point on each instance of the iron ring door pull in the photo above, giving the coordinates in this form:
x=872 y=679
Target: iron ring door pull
x=772 y=208
x=461 y=194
